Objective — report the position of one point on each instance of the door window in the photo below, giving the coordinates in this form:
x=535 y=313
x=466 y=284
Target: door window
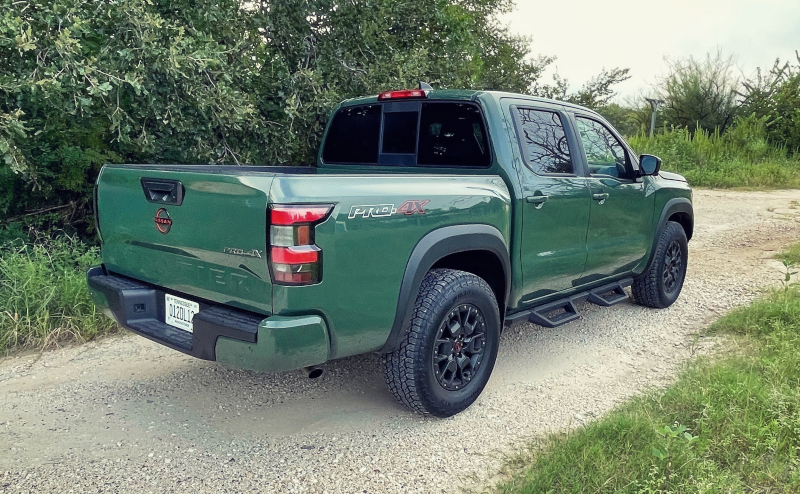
x=605 y=155
x=544 y=142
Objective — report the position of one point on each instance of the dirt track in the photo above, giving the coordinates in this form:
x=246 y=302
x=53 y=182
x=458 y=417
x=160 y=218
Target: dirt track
x=126 y=414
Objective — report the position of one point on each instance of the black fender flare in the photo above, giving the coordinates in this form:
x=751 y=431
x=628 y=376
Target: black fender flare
x=431 y=248
x=675 y=205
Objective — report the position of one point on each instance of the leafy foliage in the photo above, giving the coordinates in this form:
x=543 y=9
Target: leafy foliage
x=85 y=83
x=597 y=93
x=776 y=97
x=740 y=157
x=627 y=120
x=700 y=94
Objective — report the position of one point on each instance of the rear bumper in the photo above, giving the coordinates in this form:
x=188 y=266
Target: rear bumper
x=234 y=337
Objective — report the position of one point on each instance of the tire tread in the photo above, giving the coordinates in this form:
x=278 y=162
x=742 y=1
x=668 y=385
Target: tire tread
x=401 y=367
x=646 y=288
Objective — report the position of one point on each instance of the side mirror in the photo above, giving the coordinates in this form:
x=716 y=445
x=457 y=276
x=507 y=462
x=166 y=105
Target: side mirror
x=649 y=164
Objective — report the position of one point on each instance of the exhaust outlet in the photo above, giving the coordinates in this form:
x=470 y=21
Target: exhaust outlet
x=313 y=371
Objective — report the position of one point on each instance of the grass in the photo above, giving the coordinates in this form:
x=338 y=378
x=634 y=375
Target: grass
x=741 y=157
x=43 y=294
x=727 y=425
x=791 y=254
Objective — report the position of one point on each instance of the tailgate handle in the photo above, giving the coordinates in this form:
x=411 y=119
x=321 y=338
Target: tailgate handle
x=163 y=191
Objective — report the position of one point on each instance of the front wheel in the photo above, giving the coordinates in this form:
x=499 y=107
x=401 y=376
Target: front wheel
x=661 y=284
x=447 y=355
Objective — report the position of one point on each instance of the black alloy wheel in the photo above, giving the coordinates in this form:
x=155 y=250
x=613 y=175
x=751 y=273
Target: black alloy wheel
x=673 y=267
x=458 y=350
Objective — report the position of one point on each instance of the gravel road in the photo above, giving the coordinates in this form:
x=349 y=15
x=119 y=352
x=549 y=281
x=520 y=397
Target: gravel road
x=127 y=415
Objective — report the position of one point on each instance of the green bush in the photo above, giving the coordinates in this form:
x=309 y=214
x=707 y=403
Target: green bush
x=775 y=96
x=43 y=294
x=740 y=157
x=84 y=82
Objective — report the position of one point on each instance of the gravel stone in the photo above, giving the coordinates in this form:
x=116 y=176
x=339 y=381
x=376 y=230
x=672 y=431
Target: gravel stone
x=127 y=415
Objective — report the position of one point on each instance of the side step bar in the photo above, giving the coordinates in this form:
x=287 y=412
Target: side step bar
x=562 y=311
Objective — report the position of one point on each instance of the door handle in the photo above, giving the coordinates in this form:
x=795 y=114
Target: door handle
x=536 y=199
x=600 y=197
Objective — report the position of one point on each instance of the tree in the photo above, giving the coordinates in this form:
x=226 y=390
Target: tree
x=625 y=119
x=597 y=93
x=84 y=83
x=700 y=93
x=774 y=96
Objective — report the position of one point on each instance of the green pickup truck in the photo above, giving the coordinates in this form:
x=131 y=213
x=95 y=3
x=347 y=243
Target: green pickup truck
x=432 y=220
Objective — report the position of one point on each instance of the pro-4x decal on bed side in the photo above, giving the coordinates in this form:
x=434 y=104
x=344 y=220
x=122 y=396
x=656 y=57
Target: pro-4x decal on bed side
x=411 y=207
x=372 y=211
x=385 y=210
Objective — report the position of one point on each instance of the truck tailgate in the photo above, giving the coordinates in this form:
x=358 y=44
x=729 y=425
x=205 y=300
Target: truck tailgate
x=196 y=230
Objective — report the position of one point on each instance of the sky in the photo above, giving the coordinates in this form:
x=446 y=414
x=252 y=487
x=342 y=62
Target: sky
x=586 y=36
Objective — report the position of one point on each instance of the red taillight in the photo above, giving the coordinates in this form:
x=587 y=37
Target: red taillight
x=289 y=215
x=294 y=258
x=403 y=94
x=295 y=255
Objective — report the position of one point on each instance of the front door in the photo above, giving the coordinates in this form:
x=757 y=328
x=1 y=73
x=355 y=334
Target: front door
x=621 y=217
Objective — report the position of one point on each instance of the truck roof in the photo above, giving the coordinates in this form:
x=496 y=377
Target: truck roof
x=472 y=95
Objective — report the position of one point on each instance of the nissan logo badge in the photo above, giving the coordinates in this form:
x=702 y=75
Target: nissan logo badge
x=163 y=221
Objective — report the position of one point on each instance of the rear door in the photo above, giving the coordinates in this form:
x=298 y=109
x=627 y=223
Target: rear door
x=556 y=202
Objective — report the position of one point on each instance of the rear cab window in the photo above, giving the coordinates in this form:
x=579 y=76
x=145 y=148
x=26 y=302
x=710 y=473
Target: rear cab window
x=409 y=133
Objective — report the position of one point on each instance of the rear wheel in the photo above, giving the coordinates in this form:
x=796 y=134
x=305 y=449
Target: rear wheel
x=447 y=355
x=661 y=284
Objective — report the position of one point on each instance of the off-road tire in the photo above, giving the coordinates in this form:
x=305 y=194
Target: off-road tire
x=661 y=284
x=447 y=299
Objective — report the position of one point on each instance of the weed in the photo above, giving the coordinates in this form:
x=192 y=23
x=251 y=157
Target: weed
x=43 y=294
x=789 y=267
x=670 y=444
x=791 y=255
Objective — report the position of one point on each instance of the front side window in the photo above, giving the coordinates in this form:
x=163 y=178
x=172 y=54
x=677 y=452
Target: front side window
x=544 y=141
x=605 y=155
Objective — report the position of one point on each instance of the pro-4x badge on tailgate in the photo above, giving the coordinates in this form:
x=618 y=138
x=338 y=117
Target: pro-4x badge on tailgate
x=384 y=210
x=242 y=252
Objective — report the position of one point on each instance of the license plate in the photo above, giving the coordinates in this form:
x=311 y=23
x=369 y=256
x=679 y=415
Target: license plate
x=179 y=312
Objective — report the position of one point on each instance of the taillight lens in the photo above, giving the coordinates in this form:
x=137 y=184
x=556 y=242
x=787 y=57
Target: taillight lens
x=294 y=258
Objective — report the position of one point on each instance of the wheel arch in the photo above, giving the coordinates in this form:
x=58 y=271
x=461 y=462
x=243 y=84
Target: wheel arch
x=679 y=210
x=477 y=249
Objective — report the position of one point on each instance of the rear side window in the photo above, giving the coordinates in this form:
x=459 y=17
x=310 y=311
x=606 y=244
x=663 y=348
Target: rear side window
x=543 y=141
x=353 y=136
x=414 y=133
